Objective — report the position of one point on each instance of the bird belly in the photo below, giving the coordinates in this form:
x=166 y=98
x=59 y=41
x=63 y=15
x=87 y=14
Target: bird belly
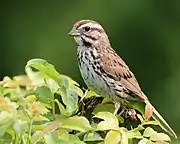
x=97 y=84
x=94 y=81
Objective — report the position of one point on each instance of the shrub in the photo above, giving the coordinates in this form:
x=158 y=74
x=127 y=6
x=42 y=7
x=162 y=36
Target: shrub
x=44 y=106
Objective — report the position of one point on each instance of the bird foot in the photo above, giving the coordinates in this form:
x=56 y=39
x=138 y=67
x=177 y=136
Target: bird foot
x=117 y=107
x=130 y=113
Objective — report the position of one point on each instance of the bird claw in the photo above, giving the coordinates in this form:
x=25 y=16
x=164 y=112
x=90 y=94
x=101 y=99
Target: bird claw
x=130 y=113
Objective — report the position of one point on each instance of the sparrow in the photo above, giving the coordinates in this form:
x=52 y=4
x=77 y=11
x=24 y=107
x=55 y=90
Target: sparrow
x=105 y=73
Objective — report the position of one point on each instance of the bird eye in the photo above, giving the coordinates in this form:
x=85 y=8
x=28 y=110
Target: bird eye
x=87 y=28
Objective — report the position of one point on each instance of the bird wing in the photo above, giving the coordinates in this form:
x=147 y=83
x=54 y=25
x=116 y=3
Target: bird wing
x=116 y=68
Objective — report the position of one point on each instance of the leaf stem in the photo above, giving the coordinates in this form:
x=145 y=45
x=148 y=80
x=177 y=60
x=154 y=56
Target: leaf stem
x=16 y=138
x=29 y=131
x=53 y=107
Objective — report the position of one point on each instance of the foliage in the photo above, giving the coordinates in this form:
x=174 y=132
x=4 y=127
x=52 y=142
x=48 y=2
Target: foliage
x=44 y=106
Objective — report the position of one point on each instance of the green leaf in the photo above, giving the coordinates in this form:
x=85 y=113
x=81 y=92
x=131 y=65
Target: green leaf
x=120 y=118
x=70 y=139
x=63 y=134
x=6 y=139
x=92 y=136
x=77 y=90
x=53 y=85
x=151 y=123
x=61 y=108
x=148 y=132
x=37 y=127
x=7 y=115
x=48 y=128
x=112 y=137
x=36 y=78
x=140 y=118
x=160 y=137
x=6 y=120
x=70 y=84
x=44 y=94
x=103 y=107
x=1 y=88
x=134 y=134
x=46 y=68
x=127 y=136
x=70 y=99
x=100 y=143
x=67 y=81
x=40 y=118
x=74 y=139
x=145 y=141
x=78 y=142
x=63 y=137
x=78 y=123
x=161 y=142
x=29 y=99
x=49 y=139
x=138 y=106
x=107 y=100
x=124 y=138
x=139 y=128
x=110 y=121
x=89 y=94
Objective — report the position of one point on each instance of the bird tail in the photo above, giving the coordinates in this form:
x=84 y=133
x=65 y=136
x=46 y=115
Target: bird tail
x=164 y=125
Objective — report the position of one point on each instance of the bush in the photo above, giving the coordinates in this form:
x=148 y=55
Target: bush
x=44 y=106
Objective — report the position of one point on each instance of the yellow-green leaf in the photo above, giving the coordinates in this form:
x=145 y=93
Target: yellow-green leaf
x=160 y=137
x=148 y=132
x=124 y=138
x=48 y=128
x=78 y=123
x=89 y=94
x=112 y=137
x=103 y=107
x=70 y=99
x=134 y=134
x=151 y=123
x=92 y=136
x=110 y=121
x=145 y=141
x=46 y=68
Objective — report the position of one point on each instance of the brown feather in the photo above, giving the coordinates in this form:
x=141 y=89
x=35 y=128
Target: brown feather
x=116 y=68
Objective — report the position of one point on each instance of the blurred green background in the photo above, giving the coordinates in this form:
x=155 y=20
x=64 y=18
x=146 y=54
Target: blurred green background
x=146 y=34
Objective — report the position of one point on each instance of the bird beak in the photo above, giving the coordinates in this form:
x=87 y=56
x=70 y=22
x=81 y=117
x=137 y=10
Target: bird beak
x=74 y=32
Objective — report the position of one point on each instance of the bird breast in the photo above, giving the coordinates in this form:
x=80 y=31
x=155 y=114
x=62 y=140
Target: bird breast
x=89 y=65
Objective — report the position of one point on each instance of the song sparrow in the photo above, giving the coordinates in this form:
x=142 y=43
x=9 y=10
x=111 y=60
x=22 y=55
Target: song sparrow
x=104 y=71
